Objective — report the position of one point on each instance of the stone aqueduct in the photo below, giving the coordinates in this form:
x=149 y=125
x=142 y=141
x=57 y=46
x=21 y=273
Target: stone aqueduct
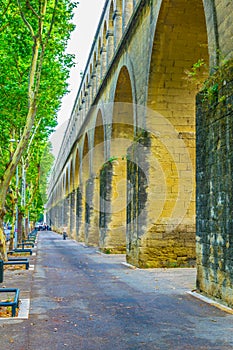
x=131 y=176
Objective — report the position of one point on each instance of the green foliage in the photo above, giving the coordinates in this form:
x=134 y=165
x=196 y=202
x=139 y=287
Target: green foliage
x=213 y=83
x=196 y=68
x=109 y=162
x=33 y=78
x=197 y=74
x=212 y=88
x=16 y=46
x=111 y=159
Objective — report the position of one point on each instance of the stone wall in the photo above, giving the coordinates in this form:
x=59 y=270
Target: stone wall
x=215 y=187
x=149 y=70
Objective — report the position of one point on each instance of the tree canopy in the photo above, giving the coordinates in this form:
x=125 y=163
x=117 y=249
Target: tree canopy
x=34 y=68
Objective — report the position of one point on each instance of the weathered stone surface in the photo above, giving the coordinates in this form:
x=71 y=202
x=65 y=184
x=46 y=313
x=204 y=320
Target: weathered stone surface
x=137 y=102
x=214 y=189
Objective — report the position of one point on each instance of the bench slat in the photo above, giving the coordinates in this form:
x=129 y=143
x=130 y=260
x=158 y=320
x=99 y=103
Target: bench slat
x=17 y=262
x=13 y=304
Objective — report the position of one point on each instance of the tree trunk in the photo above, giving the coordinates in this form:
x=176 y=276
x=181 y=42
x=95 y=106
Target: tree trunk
x=26 y=226
x=20 y=234
x=3 y=253
x=11 y=245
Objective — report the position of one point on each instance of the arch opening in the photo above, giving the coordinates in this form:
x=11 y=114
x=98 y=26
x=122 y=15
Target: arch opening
x=93 y=185
x=113 y=177
x=180 y=43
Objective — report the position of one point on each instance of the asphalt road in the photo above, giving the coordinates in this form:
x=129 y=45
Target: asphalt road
x=84 y=300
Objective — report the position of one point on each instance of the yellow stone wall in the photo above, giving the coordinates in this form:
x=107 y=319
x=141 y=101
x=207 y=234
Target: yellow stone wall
x=150 y=70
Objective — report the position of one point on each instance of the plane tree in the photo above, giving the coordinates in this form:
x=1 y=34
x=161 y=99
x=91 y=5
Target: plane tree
x=33 y=77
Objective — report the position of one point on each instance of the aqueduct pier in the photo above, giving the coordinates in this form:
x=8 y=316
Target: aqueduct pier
x=145 y=166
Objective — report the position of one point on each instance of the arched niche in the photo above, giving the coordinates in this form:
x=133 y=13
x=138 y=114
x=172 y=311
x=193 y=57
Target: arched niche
x=127 y=11
x=180 y=43
x=85 y=161
x=110 y=34
x=123 y=111
x=117 y=18
x=76 y=168
x=98 y=155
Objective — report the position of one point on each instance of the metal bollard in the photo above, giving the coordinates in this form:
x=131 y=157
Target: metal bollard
x=1 y=270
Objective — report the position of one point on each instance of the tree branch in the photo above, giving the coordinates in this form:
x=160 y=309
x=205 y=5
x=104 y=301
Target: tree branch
x=31 y=8
x=46 y=41
x=52 y=22
x=7 y=6
x=28 y=25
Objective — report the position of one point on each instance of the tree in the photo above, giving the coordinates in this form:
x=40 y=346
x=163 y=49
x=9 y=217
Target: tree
x=33 y=73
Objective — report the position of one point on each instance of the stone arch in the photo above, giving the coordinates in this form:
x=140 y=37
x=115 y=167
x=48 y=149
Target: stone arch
x=94 y=61
x=67 y=181
x=118 y=6
x=110 y=33
x=127 y=11
x=78 y=204
x=110 y=16
x=64 y=183
x=98 y=65
x=94 y=75
x=98 y=155
x=99 y=48
x=76 y=192
x=180 y=41
x=76 y=168
x=123 y=110
x=91 y=69
x=104 y=39
x=212 y=30
x=90 y=83
x=85 y=170
x=103 y=51
x=66 y=210
x=117 y=18
x=92 y=210
x=71 y=175
x=81 y=204
x=86 y=83
x=81 y=98
x=58 y=190
x=60 y=205
x=71 y=198
x=113 y=177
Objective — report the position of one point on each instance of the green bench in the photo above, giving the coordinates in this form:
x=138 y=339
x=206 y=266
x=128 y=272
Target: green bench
x=17 y=262
x=14 y=304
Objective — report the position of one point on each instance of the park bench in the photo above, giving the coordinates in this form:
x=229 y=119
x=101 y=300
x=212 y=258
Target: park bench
x=14 y=304
x=25 y=241
x=26 y=244
x=17 y=259
x=17 y=262
x=19 y=251
x=32 y=234
x=31 y=239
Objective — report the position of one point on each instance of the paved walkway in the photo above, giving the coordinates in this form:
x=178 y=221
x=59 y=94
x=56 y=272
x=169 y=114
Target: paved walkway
x=83 y=300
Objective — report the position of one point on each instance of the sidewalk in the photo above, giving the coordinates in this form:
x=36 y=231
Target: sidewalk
x=83 y=300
